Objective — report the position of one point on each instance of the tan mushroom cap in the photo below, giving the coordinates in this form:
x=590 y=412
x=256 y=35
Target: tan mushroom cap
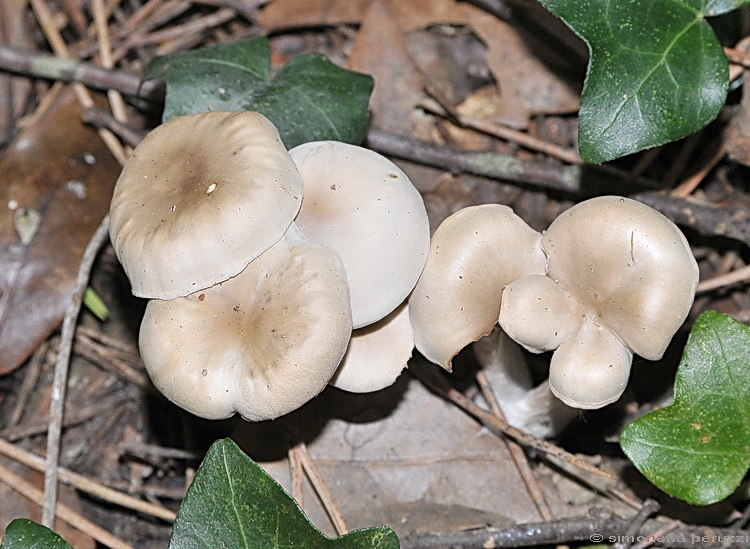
x=474 y=254
x=261 y=343
x=537 y=313
x=199 y=198
x=377 y=354
x=364 y=207
x=621 y=279
x=627 y=264
x=591 y=368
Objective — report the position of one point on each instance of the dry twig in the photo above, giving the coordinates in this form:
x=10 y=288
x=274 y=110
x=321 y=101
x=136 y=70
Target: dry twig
x=321 y=488
x=499 y=426
x=516 y=452
x=64 y=512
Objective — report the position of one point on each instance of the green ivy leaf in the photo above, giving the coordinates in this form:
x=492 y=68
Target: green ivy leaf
x=233 y=502
x=698 y=448
x=656 y=71
x=27 y=534
x=308 y=99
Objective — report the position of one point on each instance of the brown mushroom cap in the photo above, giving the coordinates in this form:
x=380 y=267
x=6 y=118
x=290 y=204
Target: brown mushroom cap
x=199 y=198
x=261 y=343
x=363 y=206
x=474 y=254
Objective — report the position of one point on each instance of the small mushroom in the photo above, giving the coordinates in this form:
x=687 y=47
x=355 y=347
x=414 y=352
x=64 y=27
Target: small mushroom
x=621 y=279
x=261 y=343
x=377 y=354
x=473 y=255
x=199 y=198
x=363 y=206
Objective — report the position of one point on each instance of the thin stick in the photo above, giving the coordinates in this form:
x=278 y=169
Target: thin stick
x=60 y=377
x=501 y=427
x=686 y=188
x=649 y=507
x=296 y=473
x=45 y=18
x=503 y=132
x=33 y=370
x=321 y=488
x=85 y=484
x=738 y=275
x=116 y=102
x=67 y=514
x=516 y=452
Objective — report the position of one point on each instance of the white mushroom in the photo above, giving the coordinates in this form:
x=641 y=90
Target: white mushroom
x=621 y=280
x=261 y=343
x=473 y=255
x=199 y=198
x=377 y=354
x=363 y=206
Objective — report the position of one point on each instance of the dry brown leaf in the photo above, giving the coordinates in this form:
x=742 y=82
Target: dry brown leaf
x=59 y=172
x=737 y=135
x=526 y=84
x=306 y=13
x=398 y=84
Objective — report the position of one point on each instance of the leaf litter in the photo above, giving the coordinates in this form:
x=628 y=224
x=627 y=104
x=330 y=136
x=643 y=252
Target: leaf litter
x=393 y=456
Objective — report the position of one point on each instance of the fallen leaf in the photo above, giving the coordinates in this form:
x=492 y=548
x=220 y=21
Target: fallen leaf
x=312 y=12
x=398 y=84
x=60 y=170
x=527 y=84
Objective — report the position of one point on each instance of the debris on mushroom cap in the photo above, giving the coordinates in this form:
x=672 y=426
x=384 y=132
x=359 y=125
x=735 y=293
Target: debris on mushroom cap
x=377 y=354
x=474 y=254
x=626 y=280
x=261 y=343
x=364 y=207
x=199 y=198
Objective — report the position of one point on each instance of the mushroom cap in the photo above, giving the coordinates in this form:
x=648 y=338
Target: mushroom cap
x=537 y=313
x=261 y=343
x=591 y=368
x=364 y=207
x=628 y=265
x=474 y=254
x=199 y=198
x=377 y=354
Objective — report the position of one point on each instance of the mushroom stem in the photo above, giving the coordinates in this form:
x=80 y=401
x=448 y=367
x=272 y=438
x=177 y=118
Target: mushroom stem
x=531 y=409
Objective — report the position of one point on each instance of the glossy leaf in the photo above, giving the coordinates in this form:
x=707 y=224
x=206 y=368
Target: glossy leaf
x=308 y=99
x=233 y=502
x=27 y=534
x=656 y=71
x=698 y=448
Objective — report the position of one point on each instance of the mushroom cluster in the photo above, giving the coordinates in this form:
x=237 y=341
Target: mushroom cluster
x=268 y=271
x=610 y=278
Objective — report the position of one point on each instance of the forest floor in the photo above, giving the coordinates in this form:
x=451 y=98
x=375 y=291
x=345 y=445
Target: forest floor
x=466 y=76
